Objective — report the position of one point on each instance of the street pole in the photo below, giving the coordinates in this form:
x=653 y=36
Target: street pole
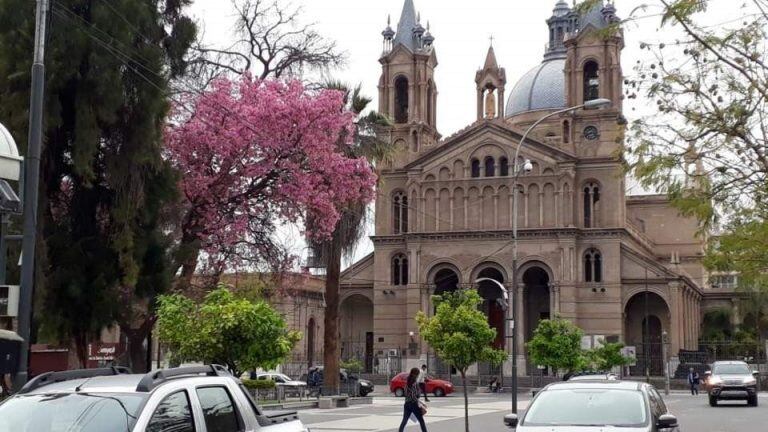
x=32 y=176
x=516 y=166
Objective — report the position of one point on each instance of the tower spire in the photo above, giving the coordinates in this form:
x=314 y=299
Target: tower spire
x=405 y=27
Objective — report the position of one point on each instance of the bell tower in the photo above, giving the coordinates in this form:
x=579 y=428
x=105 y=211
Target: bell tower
x=593 y=71
x=490 y=81
x=407 y=90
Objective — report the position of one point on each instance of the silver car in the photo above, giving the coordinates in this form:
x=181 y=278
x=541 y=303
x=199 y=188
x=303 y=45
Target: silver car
x=593 y=406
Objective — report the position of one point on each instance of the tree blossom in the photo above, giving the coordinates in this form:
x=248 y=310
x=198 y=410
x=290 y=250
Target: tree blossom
x=253 y=152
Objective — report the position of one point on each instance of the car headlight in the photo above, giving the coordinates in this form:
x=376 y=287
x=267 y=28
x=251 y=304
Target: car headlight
x=750 y=381
x=715 y=381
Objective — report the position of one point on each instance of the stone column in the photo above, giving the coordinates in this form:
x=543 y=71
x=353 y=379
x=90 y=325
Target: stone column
x=675 y=332
x=452 y=205
x=496 y=210
x=520 y=318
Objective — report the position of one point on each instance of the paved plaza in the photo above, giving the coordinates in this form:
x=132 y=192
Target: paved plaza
x=486 y=413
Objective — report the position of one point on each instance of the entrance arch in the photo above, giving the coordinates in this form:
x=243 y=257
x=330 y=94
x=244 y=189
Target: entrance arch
x=356 y=328
x=493 y=302
x=536 y=301
x=646 y=317
x=445 y=280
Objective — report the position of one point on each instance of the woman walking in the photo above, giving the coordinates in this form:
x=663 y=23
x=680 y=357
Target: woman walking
x=412 y=405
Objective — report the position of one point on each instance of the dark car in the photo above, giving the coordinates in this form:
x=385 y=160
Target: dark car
x=593 y=406
x=731 y=380
x=350 y=383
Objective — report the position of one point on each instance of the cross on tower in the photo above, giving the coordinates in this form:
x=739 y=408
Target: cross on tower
x=491 y=39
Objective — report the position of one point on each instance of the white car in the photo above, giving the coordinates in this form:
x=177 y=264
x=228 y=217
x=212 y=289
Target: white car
x=190 y=399
x=281 y=379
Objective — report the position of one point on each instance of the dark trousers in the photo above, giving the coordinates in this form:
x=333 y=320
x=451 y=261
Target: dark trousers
x=694 y=388
x=423 y=388
x=412 y=408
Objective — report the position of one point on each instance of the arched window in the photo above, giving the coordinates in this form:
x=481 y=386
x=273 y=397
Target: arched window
x=475 y=168
x=399 y=270
x=566 y=131
x=490 y=167
x=593 y=266
x=591 y=81
x=401 y=100
x=591 y=198
x=503 y=167
x=400 y=213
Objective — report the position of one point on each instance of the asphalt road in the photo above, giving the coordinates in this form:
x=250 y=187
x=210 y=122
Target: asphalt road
x=487 y=412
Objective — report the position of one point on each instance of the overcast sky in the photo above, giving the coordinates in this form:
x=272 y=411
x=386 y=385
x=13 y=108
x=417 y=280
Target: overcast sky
x=462 y=30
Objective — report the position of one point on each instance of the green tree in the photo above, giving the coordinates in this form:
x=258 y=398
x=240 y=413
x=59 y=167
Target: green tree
x=556 y=343
x=705 y=145
x=226 y=330
x=104 y=184
x=607 y=356
x=743 y=249
x=460 y=335
x=367 y=143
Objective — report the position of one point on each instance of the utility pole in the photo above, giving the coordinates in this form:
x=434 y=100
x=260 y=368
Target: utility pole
x=664 y=338
x=31 y=180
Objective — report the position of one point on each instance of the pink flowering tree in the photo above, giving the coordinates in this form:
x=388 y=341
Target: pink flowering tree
x=253 y=153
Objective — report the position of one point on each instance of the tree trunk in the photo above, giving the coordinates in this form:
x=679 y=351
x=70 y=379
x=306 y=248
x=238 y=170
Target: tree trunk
x=138 y=354
x=186 y=259
x=466 y=399
x=331 y=351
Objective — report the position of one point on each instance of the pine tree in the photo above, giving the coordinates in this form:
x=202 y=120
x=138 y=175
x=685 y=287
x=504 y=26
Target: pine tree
x=104 y=185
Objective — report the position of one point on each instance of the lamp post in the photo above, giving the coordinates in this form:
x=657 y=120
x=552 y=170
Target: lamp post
x=31 y=181
x=527 y=167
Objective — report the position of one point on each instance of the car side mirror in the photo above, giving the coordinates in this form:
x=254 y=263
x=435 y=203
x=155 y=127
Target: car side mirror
x=667 y=421
x=511 y=420
x=708 y=373
x=755 y=373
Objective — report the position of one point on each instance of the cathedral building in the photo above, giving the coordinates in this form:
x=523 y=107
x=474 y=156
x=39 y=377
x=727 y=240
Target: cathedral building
x=623 y=268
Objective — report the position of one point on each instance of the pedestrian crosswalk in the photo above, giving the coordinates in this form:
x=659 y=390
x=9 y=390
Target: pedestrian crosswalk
x=386 y=414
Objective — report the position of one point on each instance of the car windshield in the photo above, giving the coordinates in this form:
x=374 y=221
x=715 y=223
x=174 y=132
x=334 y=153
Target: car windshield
x=731 y=369
x=588 y=407
x=285 y=378
x=70 y=412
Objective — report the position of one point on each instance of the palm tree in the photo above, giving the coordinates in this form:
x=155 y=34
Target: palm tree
x=368 y=143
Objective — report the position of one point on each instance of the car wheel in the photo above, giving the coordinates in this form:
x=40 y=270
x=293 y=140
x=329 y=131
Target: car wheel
x=399 y=392
x=752 y=401
x=439 y=392
x=712 y=401
x=363 y=393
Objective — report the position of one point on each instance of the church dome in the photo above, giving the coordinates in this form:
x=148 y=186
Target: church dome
x=543 y=87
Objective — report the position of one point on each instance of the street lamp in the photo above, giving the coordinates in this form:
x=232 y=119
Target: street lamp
x=528 y=167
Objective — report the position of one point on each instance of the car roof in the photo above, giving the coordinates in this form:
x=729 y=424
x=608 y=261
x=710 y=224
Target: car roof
x=739 y=362
x=116 y=380
x=596 y=384
x=106 y=384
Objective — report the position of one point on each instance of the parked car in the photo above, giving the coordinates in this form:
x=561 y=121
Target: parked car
x=731 y=380
x=291 y=386
x=437 y=387
x=593 y=406
x=350 y=383
x=112 y=399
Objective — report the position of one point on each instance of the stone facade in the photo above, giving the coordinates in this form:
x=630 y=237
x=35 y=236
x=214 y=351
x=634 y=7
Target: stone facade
x=445 y=211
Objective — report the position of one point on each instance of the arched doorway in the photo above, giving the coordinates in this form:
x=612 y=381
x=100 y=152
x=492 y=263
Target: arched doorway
x=646 y=317
x=445 y=280
x=493 y=302
x=535 y=299
x=311 y=327
x=356 y=328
